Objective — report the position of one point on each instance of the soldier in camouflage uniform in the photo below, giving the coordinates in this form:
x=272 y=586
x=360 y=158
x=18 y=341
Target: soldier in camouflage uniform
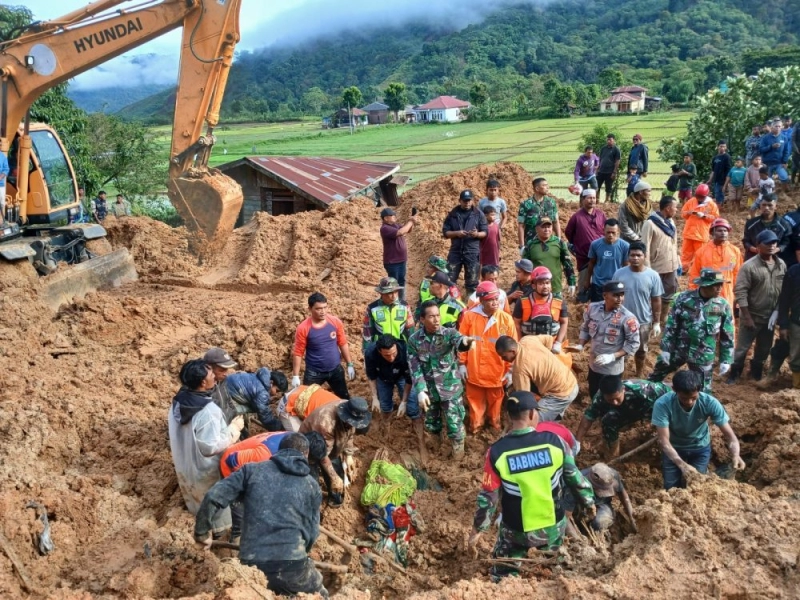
x=531 y=468
x=697 y=319
x=618 y=405
x=534 y=208
x=433 y=357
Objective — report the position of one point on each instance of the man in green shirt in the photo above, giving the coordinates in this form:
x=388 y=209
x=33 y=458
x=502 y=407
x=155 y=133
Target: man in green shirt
x=533 y=209
x=686 y=176
x=681 y=422
x=548 y=250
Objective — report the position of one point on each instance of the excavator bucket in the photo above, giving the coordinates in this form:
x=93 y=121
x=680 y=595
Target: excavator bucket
x=209 y=203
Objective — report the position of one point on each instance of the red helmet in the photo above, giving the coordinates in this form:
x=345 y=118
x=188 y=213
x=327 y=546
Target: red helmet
x=541 y=273
x=702 y=190
x=487 y=290
x=721 y=223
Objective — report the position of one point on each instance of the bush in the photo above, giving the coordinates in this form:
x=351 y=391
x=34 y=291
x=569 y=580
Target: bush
x=596 y=138
x=158 y=208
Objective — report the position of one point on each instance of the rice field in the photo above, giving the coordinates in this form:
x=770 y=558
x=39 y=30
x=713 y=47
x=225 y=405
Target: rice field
x=545 y=147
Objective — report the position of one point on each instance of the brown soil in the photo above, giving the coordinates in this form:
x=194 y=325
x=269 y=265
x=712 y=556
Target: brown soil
x=83 y=422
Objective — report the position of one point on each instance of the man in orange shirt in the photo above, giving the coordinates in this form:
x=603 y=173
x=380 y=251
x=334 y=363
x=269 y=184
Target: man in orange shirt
x=300 y=402
x=718 y=254
x=483 y=371
x=699 y=212
x=536 y=369
x=490 y=273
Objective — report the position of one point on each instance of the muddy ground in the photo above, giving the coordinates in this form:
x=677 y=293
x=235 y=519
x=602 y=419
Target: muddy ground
x=83 y=431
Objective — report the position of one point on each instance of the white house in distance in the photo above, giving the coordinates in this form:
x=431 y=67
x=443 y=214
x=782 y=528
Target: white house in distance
x=444 y=109
x=625 y=99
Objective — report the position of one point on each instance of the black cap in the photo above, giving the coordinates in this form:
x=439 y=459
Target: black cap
x=614 y=287
x=519 y=402
x=442 y=278
x=387 y=212
x=767 y=237
x=465 y=195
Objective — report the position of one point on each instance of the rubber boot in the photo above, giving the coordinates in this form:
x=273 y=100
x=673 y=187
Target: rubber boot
x=458 y=450
x=756 y=371
x=639 y=367
x=768 y=381
x=419 y=429
x=733 y=376
x=796 y=380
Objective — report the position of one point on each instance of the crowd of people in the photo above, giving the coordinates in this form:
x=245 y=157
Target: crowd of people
x=453 y=363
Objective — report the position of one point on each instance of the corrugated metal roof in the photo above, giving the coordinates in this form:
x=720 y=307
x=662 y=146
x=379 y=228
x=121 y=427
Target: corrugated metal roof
x=319 y=179
x=628 y=88
x=620 y=98
x=375 y=106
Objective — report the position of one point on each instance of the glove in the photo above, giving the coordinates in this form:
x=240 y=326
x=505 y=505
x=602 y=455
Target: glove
x=665 y=356
x=376 y=404
x=235 y=427
x=337 y=485
x=724 y=368
x=578 y=348
x=773 y=319
x=424 y=401
x=462 y=372
x=507 y=379
x=295 y=381
x=656 y=331
x=604 y=359
x=577 y=448
x=351 y=372
x=470 y=342
x=349 y=463
x=522 y=251
x=571 y=291
x=556 y=348
x=401 y=410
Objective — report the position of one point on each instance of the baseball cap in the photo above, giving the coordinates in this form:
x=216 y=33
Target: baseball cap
x=603 y=478
x=524 y=264
x=441 y=278
x=544 y=221
x=519 y=402
x=465 y=195
x=766 y=237
x=614 y=287
x=387 y=212
x=641 y=186
x=218 y=356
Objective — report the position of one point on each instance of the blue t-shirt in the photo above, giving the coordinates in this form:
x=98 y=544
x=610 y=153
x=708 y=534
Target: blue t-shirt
x=609 y=258
x=640 y=289
x=737 y=176
x=498 y=204
x=688 y=430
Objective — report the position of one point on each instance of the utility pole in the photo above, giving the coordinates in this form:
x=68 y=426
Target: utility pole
x=350 y=118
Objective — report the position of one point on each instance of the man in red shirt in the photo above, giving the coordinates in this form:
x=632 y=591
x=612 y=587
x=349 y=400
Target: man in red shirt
x=490 y=245
x=395 y=253
x=322 y=340
x=585 y=226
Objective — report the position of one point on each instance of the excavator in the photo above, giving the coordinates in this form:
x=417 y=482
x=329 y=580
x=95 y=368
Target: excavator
x=41 y=204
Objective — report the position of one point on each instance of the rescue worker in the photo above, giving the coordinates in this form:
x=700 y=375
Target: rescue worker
x=697 y=319
x=297 y=404
x=789 y=320
x=322 y=341
x=720 y=255
x=535 y=368
x=436 y=264
x=549 y=251
x=198 y=434
x=681 y=422
x=619 y=405
x=490 y=273
x=338 y=423
x=523 y=284
x=465 y=226
x=526 y=472
x=606 y=483
x=699 y=212
x=433 y=356
x=239 y=393
x=757 y=290
x=482 y=370
x=387 y=315
x=542 y=313
x=285 y=503
x=613 y=333
x=449 y=307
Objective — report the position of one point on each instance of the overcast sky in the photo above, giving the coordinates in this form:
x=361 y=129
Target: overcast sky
x=268 y=22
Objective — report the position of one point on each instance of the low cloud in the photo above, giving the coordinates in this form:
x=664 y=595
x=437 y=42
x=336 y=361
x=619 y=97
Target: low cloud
x=130 y=70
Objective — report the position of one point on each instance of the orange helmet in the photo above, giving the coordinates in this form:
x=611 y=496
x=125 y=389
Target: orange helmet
x=487 y=290
x=541 y=273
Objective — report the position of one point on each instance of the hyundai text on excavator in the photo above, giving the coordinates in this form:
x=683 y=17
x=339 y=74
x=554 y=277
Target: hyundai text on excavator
x=42 y=200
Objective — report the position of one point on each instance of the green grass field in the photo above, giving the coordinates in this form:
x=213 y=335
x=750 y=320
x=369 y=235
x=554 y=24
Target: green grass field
x=545 y=147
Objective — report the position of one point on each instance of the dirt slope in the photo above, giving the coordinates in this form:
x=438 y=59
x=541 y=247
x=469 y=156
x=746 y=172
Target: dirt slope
x=83 y=430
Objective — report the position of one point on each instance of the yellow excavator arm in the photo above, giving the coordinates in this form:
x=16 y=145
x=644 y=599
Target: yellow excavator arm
x=50 y=52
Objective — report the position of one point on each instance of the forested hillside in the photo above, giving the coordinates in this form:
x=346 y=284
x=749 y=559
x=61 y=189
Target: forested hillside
x=523 y=54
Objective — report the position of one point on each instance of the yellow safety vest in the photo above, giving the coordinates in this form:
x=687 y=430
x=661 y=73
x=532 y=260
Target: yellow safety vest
x=390 y=320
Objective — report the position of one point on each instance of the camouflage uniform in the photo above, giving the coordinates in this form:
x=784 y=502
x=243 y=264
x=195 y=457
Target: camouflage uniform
x=530 y=211
x=693 y=327
x=640 y=395
x=434 y=369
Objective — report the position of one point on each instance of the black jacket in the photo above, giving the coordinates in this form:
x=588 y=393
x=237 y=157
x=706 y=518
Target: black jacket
x=755 y=226
x=281 y=508
x=459 y=219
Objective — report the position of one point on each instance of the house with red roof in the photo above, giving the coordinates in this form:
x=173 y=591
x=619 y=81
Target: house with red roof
x=625 y=99
x=444 y=109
